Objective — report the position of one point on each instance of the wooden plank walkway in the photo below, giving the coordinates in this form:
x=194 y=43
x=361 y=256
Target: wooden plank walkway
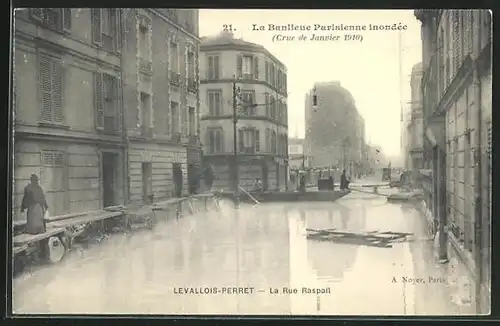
x=26 y=239
x=94 y=217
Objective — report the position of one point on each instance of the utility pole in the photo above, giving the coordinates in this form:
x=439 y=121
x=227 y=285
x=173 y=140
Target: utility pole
x=235 y=144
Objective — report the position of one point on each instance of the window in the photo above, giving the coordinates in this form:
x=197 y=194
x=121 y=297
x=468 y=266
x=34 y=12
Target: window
x=53 y=179
x=174 y=57
x=145 y=114
x=56 y=19
x=267 y=72
x=184 y=121
x=215 y=140
x=213 y=67
x=191 y=71
x=457 y=49
x=214 y=102
x=271 y=75
x=51 y=88
x=106 y=27
x=247 y=65
x=267 y=104
x=174 y=109
x=247 y=107
x=143 y=43
x=273 y=107
x=192 y=121
x=248 y=139
x=107 y=105
x=273 y=141
x=268 y=140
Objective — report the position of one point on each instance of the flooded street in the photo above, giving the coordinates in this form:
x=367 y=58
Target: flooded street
x=259 y=249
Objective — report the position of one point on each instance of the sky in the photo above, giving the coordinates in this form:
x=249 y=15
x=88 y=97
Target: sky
x=368 y=68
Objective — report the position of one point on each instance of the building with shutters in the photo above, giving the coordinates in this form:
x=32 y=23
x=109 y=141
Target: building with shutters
x=67 y=105
x=160 y=99
x=415 y=126
x=97 y=116
x=335 y=132
x=457 y=95
x=262 y=130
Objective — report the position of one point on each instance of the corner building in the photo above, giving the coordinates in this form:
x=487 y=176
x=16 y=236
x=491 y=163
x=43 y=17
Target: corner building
x=262 y=135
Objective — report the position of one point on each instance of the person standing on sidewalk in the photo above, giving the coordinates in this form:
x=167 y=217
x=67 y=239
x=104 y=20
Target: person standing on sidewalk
x=36 y=204
x=344 y=183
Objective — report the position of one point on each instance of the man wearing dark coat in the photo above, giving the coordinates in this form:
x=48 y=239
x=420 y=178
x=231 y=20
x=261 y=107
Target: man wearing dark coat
x=344 y=183
x=36 y=204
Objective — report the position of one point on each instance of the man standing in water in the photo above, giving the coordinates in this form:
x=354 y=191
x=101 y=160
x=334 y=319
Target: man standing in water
x=34 y=201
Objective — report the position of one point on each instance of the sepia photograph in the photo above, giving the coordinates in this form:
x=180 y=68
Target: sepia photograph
x=180 y=162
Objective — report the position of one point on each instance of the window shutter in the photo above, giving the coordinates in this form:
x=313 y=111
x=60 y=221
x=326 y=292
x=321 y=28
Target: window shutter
x=57 y=90
x=211 y=103
x=99 y=100
x=266 y=96
x=216 y=67
x=96 y=25
x=256 y=68
x=66 y=18
x=257 y=141
x=207 y=141
x=45 y=88
x=267 y=71
x=217 y=103
x=221 y=141
x=210 y=71
x=118 y=30
x=240 y=140
x=239 y=66
x=37 y=14
x=118 y=103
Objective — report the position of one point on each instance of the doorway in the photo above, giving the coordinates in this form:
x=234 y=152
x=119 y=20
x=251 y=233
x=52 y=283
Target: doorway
x=109 y=174
x=177 y=179
x=265 y=176
x=147 y=182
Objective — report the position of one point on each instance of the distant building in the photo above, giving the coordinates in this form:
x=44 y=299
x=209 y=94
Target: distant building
x=262 y=129
x=335 y=131
x=297 y=157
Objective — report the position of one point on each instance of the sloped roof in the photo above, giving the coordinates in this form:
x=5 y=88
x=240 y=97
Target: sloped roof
x=226 y=38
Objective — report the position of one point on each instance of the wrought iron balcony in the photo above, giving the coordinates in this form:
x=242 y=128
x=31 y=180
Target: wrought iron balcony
x=145 y=66
x=175 y=78
x=193 y=139
x=192 y=85
x=176 y=137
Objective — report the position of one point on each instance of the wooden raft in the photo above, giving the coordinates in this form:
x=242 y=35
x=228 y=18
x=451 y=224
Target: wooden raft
x=372 y=238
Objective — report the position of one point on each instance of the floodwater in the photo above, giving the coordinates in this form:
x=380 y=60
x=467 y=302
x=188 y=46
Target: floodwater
x=254 y=251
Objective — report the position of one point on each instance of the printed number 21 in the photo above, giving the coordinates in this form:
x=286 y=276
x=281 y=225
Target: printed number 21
x=227 y=28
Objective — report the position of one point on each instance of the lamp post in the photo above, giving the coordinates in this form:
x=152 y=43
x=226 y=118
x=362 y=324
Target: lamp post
x=235 y=143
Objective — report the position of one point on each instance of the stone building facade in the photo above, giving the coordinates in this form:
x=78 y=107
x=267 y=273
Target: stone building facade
x=262 y=129
x=415 y=126
x=457 y=94
x=59 y=134
x=78 y=81
x=161 y=100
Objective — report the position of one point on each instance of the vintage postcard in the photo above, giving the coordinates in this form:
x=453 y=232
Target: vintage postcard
x=251 y=162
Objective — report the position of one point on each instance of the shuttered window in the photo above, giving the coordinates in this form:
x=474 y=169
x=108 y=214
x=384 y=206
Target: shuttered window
x=184 y=121
x=256 y=68
x=215 y=140
x=56 y=19
x=51 y=80
x=214 y=102
x=107 y=104
x=257 y=141
x=457 y=48
x=213 y=67
x=239 y=66
x=106 y=28
x=268 y=108
x=247 y=108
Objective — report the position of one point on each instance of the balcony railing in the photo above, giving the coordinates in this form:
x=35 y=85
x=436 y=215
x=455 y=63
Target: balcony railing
x=193 y=139
x=247 y=150
x=145 y=66
x=175 y=78
x=176 y=137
